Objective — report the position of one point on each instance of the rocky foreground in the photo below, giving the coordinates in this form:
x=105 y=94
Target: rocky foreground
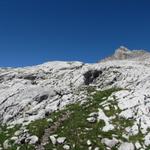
x=77 y=106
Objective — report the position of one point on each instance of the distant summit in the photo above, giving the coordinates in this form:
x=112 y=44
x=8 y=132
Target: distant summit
x=123 y=53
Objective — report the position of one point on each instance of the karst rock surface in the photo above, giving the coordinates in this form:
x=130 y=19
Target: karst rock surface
x=31 y=93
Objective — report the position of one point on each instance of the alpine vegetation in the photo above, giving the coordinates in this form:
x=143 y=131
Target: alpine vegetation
x=77 y=106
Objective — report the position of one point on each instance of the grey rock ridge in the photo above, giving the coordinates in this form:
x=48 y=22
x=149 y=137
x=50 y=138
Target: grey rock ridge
x=123 y=53
x=32 y=93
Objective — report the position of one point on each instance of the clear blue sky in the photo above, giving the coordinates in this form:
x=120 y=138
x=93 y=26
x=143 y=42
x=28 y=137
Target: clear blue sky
x=36 y=31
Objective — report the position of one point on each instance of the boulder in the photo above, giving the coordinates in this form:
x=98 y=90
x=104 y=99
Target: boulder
x=109 y=142
x=61 y=140
x=126 y=146
x=66 y=147
x=91 y=119
x=53 y=139
x=33 y=139
x=6 y=144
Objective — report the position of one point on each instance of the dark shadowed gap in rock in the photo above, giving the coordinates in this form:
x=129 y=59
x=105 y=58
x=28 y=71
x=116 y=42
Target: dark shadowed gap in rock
x=91 y=75
x=28 y=77
x=41 y=98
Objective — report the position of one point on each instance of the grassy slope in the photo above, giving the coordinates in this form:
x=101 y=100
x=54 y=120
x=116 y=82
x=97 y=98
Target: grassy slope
x=77 y=129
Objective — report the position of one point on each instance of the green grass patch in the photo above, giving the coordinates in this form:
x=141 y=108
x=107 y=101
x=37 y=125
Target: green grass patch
x=138 y=137
x=6 y=133
x=37 y=127
x=122 y=122
x=78 y=130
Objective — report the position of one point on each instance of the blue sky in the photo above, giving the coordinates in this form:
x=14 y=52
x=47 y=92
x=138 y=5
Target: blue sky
x=36 y=31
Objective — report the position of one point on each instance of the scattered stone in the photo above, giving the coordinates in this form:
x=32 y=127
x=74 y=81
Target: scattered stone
x=115 y=107
x=33 y=139
x=53 y=139
x=109 y=142
x=107 y=108
x=73 y=145
x=138 y=145
x=6 y=144
x=108 y=127
x=10 y=127
x=14 y=138
x=91 y=119
x=90 y=148
x=125 y=136
x=66 y=147
x=18 y=148
x=61 y=140
x=50 y=120
x=89 y=142
x=88 y=129
x=25 y=130
x=94 y=114
x=17 y=133
x=147 y=139
x=126 y=146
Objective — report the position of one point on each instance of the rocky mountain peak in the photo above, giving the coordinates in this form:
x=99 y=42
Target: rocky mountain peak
x=121 y=52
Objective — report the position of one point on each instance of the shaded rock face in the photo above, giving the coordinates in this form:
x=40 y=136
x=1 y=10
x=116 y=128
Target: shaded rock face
x=91 y=75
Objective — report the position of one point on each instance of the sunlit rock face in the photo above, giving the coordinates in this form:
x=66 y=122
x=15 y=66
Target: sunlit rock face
x=31 y=93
